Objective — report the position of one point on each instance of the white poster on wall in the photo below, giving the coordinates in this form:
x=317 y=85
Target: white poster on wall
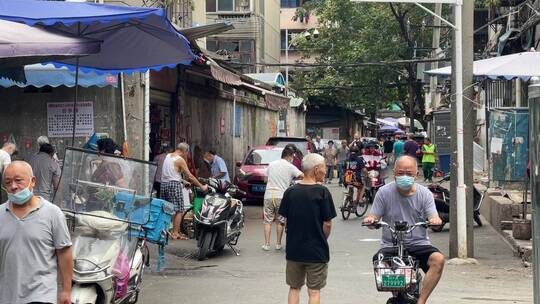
x=60 y=119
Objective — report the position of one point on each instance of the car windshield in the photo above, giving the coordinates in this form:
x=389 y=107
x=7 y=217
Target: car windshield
x=263 y=157
x=300 y=145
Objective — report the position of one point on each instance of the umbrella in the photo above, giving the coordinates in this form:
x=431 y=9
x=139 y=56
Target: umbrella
x=40 y=75
x=21 y=44
x=404 y=121
x=134 y=39
x=388 y=129
x=389 y=121
x=521 y=65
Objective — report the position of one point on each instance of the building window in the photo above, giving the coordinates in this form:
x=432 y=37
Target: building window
x=242 y=51
x=212 y=45
x=237 y=127
x=213 y=6
x=292 y=35
x=226 y=5
x=290 y=3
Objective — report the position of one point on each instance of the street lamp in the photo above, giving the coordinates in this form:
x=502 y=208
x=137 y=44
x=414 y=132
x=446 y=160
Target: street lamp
x=307 y=35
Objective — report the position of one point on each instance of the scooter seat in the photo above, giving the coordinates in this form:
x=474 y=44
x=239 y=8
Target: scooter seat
x=101 y=221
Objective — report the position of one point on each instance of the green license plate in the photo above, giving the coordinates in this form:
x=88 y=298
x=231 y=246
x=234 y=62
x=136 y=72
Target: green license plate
x=393 y=281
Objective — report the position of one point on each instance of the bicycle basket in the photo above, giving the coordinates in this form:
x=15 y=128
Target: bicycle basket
x=394 y=279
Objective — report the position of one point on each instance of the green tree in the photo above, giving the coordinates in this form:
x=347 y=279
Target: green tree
x=353 y=41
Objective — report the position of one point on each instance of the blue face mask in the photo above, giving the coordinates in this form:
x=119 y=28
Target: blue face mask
x=21 y=197
x=404 y=182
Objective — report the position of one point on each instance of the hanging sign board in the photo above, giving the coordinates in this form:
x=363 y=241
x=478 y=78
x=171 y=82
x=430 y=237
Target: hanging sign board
x=60 y=119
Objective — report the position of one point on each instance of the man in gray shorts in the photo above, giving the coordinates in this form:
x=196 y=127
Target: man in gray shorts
x=34 y=243
x=280 y=174
x=405 y=200
x=309 y=210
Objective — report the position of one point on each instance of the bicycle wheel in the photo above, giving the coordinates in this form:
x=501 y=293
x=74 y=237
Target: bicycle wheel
x=184 y=226
x=361 y=208
x=347 y=203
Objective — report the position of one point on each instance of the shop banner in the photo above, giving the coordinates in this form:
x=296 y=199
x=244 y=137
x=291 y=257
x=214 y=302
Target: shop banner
x=60 y=119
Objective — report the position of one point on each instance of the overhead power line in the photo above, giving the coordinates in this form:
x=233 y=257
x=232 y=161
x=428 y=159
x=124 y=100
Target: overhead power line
x=352 y=65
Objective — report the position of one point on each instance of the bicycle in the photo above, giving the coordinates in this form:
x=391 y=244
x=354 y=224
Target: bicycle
x=351 y=205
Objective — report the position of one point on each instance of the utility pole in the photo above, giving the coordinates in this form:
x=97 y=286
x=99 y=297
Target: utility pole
x=534 y=158
x=435 y=65
x=461 y=234
x=287 y=62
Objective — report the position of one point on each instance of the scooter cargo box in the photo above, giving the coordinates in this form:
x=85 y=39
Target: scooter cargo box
x=151 y=214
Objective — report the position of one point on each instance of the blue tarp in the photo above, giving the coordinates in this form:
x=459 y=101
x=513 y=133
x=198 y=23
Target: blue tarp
x=134 y=39
x=508 y=137
x=38 y=75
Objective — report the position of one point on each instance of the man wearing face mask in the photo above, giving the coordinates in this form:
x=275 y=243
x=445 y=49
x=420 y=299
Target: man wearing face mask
x=405 y=200
x=280 y=174
x=35 y=244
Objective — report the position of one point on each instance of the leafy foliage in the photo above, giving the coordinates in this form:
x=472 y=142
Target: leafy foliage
x=353 y=34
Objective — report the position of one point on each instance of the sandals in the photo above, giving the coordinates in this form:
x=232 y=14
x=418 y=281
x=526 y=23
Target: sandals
x=178 y=236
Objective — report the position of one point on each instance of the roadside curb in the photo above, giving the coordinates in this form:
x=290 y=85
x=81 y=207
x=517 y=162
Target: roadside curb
x=522 y=249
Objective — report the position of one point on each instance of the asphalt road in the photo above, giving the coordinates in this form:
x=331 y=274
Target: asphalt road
x=257 y=276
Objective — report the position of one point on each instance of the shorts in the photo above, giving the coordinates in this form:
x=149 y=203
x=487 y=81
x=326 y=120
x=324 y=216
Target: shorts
x=270 y=210
x=420 y=253
x=172 y=192
x=297 y=273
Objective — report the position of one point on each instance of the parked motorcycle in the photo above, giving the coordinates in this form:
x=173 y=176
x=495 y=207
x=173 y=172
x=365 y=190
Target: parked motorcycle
x=221 y=219
x=398 y=273
x=375 y=165
x=109 y=224
x=441 y=196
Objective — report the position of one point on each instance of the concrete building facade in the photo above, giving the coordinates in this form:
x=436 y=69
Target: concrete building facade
x=304 y=23
x=254 y=41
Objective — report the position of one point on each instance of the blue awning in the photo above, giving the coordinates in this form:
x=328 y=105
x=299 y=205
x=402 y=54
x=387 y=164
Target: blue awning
x=134 y=39
x=38 y=75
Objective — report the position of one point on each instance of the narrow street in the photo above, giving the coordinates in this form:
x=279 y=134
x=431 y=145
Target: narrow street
x=257 y=276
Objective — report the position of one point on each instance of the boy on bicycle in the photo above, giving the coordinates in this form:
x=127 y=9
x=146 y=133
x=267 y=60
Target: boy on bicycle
x=354 y=172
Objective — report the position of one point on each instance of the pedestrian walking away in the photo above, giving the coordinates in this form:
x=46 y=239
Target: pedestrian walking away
x=308 y=209
x=41 y=140
x=342 y=156
x=405 y=200
x=35 y=244
x=398 y=147
x=46 y=170
x=410 y=147
x=388 y=149
x=330 y=154
x=219 y=168
x=159 y=159
x=280 y=174
x=429 y=158
x=297 y=157
x=174 y=166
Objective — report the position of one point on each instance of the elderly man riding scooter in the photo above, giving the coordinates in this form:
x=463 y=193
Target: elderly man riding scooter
x=405 y=200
